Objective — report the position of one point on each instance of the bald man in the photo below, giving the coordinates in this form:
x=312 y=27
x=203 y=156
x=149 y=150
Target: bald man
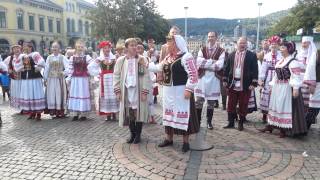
x=240 y=77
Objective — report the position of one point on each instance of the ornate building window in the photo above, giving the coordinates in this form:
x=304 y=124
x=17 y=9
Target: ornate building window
x=50 y=25
x=80 y=26
x=20 y=19
x=41 y=24
x=31 y=22
x=58 y=26
x=3 y=17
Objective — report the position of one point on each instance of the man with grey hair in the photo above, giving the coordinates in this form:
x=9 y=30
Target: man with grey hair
x=240 y=77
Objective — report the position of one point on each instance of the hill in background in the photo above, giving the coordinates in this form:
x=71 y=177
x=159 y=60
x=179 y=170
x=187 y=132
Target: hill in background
x=201 y=26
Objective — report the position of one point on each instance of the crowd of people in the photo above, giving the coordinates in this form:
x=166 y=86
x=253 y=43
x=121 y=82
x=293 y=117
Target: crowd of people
x=129 y=75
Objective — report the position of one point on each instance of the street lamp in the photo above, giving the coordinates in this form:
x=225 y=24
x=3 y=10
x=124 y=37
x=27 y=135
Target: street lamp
x=258 y=30
x=186 y=23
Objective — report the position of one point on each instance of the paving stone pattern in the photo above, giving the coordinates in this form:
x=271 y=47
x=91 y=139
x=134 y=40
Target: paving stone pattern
x=96 y=149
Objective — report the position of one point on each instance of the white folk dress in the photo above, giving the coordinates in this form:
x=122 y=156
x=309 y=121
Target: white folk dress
x=266 y=74
x=54 y=73
x=32 y=97
x=280 y=107
x=208 y=86
x=15 y=81
x=176 y=109
x=108 y=102
x=79 y=100
x=310 y=80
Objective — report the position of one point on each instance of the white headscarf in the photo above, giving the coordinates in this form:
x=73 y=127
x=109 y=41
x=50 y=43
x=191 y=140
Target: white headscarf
x=181 y=44
x=312 y=47
x=102 y=56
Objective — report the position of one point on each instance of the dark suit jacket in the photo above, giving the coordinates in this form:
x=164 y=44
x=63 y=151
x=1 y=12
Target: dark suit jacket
x=250 y=70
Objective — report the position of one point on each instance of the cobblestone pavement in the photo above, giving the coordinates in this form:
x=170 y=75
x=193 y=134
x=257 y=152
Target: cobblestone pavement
x=96 y=149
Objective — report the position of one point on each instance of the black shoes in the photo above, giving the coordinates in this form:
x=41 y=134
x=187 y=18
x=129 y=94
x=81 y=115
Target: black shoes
x=229 y=126
x=185 y=147
x=165 y=143
x=209 y=126
x=75 y=118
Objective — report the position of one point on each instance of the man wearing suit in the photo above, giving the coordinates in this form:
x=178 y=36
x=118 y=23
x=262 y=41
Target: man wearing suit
x=240 y=78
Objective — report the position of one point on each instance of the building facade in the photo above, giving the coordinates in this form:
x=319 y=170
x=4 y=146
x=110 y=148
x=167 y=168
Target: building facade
x=44 y=21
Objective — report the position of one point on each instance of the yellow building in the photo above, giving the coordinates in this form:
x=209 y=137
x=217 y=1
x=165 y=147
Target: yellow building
x=44 y=21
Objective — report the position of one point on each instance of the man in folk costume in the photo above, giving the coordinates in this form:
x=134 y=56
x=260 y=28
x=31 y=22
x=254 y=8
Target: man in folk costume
x=304 y=55
x=312 y=79
x=131 y=82
x=210 y=60
x=32 y=97
x=56 y=89
x=80 y=98
x=241 y=77
x=266 y=74
x=180 y=78
x=103 y=66
x=15 y=77
x=120 y=49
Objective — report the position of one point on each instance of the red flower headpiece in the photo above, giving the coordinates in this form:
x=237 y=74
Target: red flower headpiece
x=274 y=39
x=103 y=44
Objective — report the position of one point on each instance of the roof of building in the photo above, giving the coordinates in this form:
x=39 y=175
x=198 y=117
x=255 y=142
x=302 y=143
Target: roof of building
x=48 y=3
x=86 y=3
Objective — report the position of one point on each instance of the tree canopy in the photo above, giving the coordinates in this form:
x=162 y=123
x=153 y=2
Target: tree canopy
x=306 y=15
x=115 y=19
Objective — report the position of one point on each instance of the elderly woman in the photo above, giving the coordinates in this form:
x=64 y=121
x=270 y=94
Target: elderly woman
x=180 y=79
x=286 y=102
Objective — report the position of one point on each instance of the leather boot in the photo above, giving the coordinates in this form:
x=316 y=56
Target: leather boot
x=240 y=124
x=224 y=102
x=137 y=138
x=231 y=118
x=132 y=128
x=209 y=118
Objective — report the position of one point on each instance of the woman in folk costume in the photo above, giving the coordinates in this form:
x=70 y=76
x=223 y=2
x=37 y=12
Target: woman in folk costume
x=103 y=66
x=312 y=79
x=131 y=84
x=153 y=78
x=15 y=77
x=54 y=74
x=267 y=72
x=79 y=99
x=308 y=48
x=32 y=97
x=180 y=78
x=286 y=102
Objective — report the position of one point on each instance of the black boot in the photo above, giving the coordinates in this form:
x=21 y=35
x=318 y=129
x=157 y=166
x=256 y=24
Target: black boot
x=155 y=100
x=199 y=112
x=137 y=139
x=240 y=124
x=209 y=118
x=231 y=117
x=132 y=128
x=224 y=102
x=216 y=104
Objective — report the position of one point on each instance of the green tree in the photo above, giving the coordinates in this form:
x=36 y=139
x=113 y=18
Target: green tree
x=116 y=19
x=306 y=14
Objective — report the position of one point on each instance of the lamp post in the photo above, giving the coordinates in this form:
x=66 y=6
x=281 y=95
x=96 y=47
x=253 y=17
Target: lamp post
x=258 y=30
x=186 y=23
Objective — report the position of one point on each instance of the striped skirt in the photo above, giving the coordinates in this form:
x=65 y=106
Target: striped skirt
x=305 y=94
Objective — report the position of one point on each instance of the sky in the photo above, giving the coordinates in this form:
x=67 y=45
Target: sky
x=227 y=9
